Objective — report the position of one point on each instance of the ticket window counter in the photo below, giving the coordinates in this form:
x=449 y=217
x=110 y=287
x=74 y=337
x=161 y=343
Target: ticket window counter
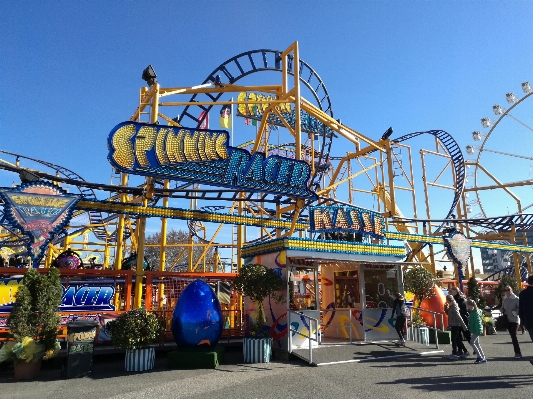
x=342 y=302
x=347 y=291
x=303 y=291
x=379 y=284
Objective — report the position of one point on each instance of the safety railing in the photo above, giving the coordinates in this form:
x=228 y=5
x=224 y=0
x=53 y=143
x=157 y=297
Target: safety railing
x=311 y=337
x=411 y=332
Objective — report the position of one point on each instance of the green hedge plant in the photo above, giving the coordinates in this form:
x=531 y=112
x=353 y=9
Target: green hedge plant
x=135 y=329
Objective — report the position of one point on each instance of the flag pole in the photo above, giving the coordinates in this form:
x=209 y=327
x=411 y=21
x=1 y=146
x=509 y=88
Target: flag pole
x=231 y=121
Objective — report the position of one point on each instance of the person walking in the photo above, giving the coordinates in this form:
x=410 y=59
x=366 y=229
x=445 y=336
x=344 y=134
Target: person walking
x=456 y=322
x=399 y=309
x=510 y=309
x=525 y=308
x=463 y=311
x=475 y=326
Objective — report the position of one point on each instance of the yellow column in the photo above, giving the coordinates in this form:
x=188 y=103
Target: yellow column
x=162 y=248
x=390 y=172
x=297 y=104
x=48 y=260
x=119 y=254
x=240 y=236
x=141 y=223
x=163 y=244
x=106 y=255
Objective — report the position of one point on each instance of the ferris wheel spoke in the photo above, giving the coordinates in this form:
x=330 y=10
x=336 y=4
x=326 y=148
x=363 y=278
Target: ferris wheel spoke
x=508 y=154
x=519 y=121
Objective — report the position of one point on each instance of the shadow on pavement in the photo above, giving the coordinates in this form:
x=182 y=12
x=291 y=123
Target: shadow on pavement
x=463 y=383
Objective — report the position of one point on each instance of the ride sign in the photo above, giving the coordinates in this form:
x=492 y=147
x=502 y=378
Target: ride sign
x=203 y=156
x=40 y=210
x=346 y=219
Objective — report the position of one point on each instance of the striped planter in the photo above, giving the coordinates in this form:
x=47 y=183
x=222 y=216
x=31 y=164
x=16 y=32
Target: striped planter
x=257 y=350
x=140 y=359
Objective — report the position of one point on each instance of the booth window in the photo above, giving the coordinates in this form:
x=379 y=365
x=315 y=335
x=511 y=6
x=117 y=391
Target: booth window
x=303 y=289
x=380 y=286
x=347 y=289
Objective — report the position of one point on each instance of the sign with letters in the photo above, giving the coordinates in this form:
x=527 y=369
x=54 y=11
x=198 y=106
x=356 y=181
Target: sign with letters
x=346 y=219
x=40 y=210
x=203 y=156
x=86 y=297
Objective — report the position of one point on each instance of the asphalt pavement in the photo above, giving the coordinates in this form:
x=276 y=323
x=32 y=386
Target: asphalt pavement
x=378 y=370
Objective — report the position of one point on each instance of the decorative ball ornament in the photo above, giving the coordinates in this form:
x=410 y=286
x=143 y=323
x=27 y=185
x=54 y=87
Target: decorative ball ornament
x=197 y=319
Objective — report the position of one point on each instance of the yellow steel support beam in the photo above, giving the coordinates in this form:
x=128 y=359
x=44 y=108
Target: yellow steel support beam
x=141 y=223
x=120 y=228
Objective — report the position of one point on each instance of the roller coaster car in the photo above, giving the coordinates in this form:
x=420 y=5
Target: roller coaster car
x=130 y=263
x=68 y=259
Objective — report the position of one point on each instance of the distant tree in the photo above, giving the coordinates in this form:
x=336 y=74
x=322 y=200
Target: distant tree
x=474 y=293
x=420 y=282
x=153 y=253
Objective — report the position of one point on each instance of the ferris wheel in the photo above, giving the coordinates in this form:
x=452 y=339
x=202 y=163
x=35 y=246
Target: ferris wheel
x=501 y=176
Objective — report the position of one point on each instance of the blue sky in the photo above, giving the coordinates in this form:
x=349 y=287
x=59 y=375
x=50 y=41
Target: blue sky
x=71 y=71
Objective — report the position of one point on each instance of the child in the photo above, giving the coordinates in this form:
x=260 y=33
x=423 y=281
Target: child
x=475 y=326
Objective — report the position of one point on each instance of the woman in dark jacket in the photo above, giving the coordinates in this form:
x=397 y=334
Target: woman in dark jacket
x=398 y=308
x=461 y=302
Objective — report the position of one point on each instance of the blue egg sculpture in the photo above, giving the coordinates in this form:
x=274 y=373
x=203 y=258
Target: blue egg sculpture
x=197 y=319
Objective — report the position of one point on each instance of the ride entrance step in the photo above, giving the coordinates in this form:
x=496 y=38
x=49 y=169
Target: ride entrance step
x=362 y=351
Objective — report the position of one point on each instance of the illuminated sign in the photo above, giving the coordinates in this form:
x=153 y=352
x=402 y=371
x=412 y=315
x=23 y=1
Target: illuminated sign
x=251 y=109
x=458 y=248
x=40 y=210
x=87 y=298
x=203 y=156
x=308 y=123
x=77 y=298
x=346 y=219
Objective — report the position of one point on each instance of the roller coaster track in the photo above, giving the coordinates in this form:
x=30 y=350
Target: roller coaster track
x=246 y=64
x=95 y=218
x=458 y=162
x=457 y=159
x=255 y=61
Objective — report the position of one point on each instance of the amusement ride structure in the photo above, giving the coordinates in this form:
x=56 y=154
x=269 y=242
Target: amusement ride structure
x=292 y=140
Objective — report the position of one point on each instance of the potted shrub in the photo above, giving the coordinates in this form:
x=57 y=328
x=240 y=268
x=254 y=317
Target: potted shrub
x=135 y=331
x=33 y=323
x=420 y=282
x=258 y=282
x=488 y=324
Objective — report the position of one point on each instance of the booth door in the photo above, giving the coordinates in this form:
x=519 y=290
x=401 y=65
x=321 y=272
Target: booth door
x=304 y=298
x=379 y=283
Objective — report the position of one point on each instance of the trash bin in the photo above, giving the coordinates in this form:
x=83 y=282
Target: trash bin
x=80 y=346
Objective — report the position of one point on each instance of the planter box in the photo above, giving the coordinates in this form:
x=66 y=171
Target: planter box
x=196 y=358
x=140 y=359
x=444 y=337
x=257 y=350
x=421 y=335
x=27 y=370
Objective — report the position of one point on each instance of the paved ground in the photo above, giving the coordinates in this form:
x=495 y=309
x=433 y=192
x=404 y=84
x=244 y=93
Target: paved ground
x=411 y=375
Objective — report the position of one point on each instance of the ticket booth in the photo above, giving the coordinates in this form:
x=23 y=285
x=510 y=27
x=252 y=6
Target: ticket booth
x=352 y=299
x=357 y=297
x=345 y=282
